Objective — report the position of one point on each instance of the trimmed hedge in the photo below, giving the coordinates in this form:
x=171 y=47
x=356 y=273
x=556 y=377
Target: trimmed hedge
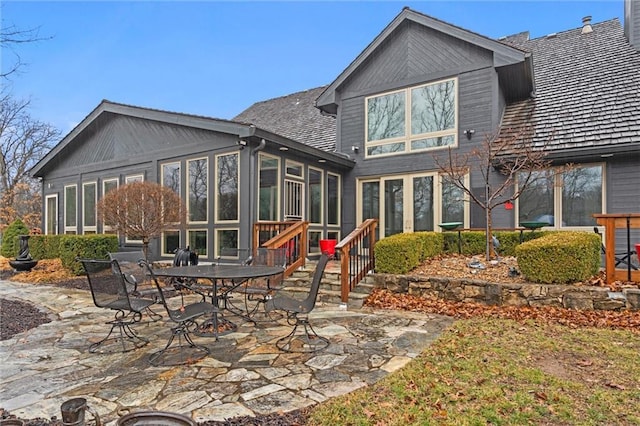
x=10 y=242
x=400 y=253
x=560 y=257
x=45 y=246
x=85 y=246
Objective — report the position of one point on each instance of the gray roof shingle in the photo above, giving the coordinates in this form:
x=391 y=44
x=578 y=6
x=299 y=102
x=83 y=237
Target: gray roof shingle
x=295 y=117
x=587 y=90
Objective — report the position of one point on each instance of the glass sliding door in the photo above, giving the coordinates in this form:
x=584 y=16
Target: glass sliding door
x=393 y=218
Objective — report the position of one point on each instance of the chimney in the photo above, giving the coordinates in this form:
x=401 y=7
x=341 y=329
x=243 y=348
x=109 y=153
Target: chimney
x=632 y=22
x=586 y=25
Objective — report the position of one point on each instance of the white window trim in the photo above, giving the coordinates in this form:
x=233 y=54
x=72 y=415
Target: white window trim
x=217 y=239
x=70 y=229
x=163 y=246
x=296 y=165
x=48 y=231
x=217 y=185
x=339 y=183
x=86 y=228
x=322 y=195
x=188 y=238
x=172 y=163
x=107 y=228
x=188 y=197
x=134 y=178
x=407 y=138
x=278 y=183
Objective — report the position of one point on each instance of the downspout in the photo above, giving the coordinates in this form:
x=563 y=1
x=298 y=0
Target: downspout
x=254 y=183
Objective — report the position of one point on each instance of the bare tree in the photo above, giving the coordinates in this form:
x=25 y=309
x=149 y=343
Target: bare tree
x=10 y=36
x=23 y=142
x=142 y=211
x=513 y=155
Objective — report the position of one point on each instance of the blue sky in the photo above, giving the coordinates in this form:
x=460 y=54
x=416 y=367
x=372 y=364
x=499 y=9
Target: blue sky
x=217 y=58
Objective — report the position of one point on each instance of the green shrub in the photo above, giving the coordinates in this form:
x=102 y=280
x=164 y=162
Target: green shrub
x=472 y=242
x=85 y=246
x=45 y=246
x=509 y=240
x=432 y=244
x=10 y=241
x=560 y=257
x=398 y=254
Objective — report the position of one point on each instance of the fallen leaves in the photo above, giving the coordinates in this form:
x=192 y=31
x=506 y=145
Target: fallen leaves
x=384 y=299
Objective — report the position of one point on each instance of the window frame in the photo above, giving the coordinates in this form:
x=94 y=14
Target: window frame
x=338 y=199
x=408 y=138
x=107 y=229
x=188 y=197
x=48 y=215
x=278 y=188
x=193 y=247
x=163 y=242
x=71 y=229
x=89 y=229
x=218 y=186
x=322 y=195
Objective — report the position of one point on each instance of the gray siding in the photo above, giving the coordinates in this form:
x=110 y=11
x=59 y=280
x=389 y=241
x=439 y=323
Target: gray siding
x=623 y=196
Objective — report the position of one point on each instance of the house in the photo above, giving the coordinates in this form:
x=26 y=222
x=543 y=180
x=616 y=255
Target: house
x=363 y=146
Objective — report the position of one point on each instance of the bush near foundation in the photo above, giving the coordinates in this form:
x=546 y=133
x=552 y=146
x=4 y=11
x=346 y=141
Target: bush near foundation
x=560 y=258
x=10 y=243
x=85 y=246
x=400 y=253
x=45 y=246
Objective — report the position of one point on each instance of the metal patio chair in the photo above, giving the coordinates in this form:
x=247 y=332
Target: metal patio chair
x=256 y=292
x=109 y=290
x=135 y=277
x=184 y=317
x=298 y=315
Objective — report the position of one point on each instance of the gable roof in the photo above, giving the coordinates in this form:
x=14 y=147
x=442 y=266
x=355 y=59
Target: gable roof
x=295 y=117
x=516 y=76
x=587 y=92
x=242 y=130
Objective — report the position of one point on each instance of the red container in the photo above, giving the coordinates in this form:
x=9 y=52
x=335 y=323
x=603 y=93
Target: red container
x=328 y=247
x=638 y=250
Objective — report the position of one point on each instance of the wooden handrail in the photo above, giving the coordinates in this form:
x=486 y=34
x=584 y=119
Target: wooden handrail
x=357 y=256
x=291 y=235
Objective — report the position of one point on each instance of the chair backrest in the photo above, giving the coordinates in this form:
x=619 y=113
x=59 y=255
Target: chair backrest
x=161 y=296
x=128 y=261
x=107 y=283
x=309 y=302
x=270 y=257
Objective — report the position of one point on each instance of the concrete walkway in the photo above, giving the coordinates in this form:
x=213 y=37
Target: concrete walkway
x=244 y=375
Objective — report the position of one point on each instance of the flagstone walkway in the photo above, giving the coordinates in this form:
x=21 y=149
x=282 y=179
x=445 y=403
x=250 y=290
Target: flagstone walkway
x=244 y=375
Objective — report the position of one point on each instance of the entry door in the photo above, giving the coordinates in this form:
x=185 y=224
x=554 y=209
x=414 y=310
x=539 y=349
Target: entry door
x=51 y=215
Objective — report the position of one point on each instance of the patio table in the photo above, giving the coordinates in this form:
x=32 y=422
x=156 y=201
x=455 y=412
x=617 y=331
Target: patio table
x=215 y=274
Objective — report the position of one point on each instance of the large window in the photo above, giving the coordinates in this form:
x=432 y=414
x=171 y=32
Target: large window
x=171 y=176
x=108 y=185
x=227 y=183
x=51 y=215
x=566 y=198
x=269 y=178
x=71 y=209
x=198 y=241
x=315 y=195
x=198 y=188
x=333 y=201
x=89 y=199
x=170 y=242
x=413 y=119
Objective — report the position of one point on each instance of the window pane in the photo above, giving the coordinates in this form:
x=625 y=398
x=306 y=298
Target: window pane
x=198 y=242
x=333 y=202
x=227 y=187
x=370 y=200
x=581 y=196
x=52 y=216
x=70 y=206
x=315 y=196
x=385 y=149
x=268 y=188
x=385 y=116
x=433 y=108
x=171 y=176
x=536 y=201
x=89 y=203
x=452 y=203
x=227 y=239
x=394 y=206
x=198 y=190
x=171 y=241
x=433 y=142
x=293 y=169
x=314 y=241
x=423 y=203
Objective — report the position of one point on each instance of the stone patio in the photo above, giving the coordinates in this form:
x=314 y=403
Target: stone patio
x=244 y=375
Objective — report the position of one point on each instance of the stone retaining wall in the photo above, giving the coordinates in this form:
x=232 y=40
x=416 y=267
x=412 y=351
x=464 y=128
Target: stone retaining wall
x=465 y=290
